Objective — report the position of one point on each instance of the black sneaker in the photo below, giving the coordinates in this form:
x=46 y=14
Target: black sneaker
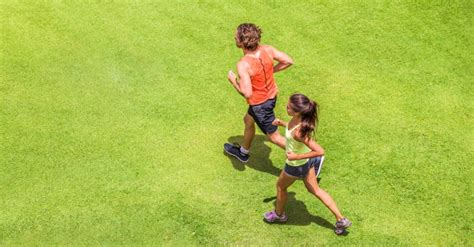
x=234 y=150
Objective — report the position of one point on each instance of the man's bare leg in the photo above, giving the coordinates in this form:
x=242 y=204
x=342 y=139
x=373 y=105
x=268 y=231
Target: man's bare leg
x=249 y=132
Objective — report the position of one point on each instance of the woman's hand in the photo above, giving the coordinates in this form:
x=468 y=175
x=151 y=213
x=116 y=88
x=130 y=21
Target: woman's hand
x=278 y=122
x=292 y=156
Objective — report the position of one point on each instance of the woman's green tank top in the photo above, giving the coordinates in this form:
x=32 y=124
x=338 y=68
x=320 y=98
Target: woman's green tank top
x=295 y=147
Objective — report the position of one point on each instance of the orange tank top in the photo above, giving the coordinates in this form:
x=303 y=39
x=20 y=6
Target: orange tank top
x=263 y=83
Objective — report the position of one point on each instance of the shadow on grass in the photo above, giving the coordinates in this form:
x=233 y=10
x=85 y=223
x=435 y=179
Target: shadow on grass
x=259 y=156
x=299 y=215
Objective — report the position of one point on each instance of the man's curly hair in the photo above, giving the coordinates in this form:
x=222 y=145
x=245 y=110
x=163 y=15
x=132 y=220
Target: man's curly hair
x=249 y=35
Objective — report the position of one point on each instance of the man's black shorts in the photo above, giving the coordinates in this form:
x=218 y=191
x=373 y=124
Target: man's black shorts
x=263 y=115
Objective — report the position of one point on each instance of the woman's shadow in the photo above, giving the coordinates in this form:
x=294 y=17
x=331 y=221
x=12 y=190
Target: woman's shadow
x=299 y=215
x=259 y=157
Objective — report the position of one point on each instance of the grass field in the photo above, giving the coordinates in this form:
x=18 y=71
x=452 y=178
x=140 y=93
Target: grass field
x=113 y=115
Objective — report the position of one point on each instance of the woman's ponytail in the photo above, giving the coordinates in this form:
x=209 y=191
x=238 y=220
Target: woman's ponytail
x=309 y=114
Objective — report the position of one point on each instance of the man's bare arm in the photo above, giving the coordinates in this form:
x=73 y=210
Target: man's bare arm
x=284 y=61
x=244 y=85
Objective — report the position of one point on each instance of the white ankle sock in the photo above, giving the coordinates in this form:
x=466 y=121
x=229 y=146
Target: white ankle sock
x=244 y=151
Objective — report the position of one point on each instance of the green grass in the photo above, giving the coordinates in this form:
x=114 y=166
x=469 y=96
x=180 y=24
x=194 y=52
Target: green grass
x=113 y=115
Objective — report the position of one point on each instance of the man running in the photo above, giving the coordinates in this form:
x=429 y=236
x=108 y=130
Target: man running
x=257 y=85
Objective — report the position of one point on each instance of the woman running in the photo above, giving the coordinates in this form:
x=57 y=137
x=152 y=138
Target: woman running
x=304 y=160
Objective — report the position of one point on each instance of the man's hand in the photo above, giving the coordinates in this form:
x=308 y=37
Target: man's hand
x=291 y=156
x=232 y=77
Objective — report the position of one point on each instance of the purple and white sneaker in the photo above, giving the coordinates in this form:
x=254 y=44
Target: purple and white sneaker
x=341 y=226
x=272 y=217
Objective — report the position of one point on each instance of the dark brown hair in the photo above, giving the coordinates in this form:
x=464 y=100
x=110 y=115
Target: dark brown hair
x=248 y=34
x=308 y=111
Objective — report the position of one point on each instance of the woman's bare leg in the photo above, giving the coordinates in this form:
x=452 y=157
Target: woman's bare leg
x=312 y=185
x=284 y=181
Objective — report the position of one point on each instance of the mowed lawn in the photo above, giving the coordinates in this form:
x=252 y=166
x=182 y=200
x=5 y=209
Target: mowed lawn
x=113 y=115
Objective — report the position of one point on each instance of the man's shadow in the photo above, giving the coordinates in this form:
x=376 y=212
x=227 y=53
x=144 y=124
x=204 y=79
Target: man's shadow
x=299 y=215
x=259 y=156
